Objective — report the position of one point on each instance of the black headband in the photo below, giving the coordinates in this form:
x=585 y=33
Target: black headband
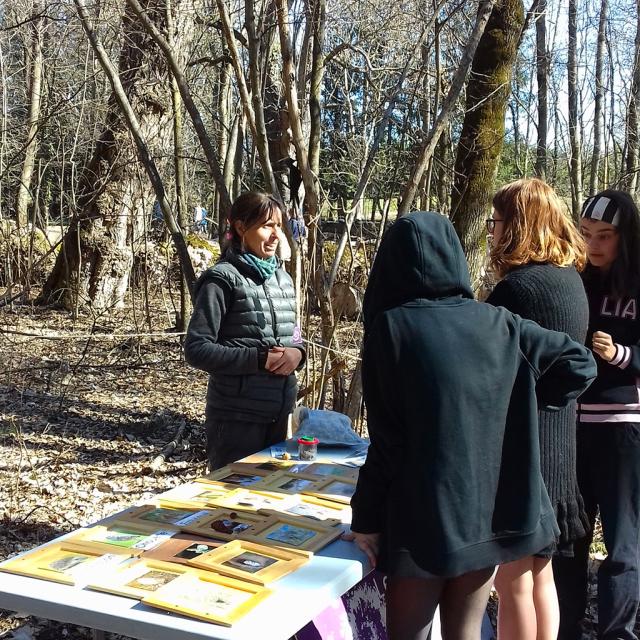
x=601 y=208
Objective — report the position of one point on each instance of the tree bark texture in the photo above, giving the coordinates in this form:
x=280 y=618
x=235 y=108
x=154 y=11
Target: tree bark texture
x=574 y=102
x=542 y=75
x=630 y=176
x=482 y=135
x=34 y=71
x=114 y=194
x=599 y=99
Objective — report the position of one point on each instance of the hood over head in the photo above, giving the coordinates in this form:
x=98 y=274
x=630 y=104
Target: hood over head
x=420 y=256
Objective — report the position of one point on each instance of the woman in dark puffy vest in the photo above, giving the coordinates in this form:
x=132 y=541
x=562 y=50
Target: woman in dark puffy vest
x=243 y=332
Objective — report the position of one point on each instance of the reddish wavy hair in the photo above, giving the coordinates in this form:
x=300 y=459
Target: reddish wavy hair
x=536 y=228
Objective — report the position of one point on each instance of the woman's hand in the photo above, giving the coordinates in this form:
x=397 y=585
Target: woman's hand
x=367 y=542
x=283 y=360
x=603 y=345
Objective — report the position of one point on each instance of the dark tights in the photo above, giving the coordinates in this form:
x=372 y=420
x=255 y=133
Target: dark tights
x=412 y=602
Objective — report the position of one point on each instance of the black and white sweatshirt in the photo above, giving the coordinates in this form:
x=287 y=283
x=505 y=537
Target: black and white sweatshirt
x=615 y=394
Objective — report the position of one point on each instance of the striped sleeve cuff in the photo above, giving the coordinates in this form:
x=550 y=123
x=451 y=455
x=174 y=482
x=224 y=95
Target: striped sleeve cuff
x=622 y=357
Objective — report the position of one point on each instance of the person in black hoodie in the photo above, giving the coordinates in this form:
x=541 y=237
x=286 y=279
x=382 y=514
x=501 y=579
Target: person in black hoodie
x=609 y=424
x=243 y=332
x=451 y=486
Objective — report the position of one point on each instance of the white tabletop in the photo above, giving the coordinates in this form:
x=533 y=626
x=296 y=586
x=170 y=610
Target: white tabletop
x=296 y=599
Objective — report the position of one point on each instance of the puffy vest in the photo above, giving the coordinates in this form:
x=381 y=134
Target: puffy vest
x=262 y=313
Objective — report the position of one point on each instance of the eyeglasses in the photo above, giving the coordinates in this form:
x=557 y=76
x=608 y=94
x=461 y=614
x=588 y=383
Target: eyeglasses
x=491 y=224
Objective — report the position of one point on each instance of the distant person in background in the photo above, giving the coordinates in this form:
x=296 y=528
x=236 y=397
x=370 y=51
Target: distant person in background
x=609 y=424
x=157 y=219
x=537 y=252
x=243 y=332
x=200 y=219
x=451 y=486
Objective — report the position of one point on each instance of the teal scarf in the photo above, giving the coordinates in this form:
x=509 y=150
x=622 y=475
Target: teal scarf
x=266 y=268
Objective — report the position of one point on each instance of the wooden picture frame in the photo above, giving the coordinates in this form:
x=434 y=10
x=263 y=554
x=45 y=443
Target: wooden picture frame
x=63 y=562
x=183 y=547
x=128 y=536
x=168 y=516
x=192 y=494
x=289 y=483
x=225 y=524
x=139 y=578
x=271 y=465
x=251 y=562
x=253 y=500
x=235 y=476
x=209 y=596
x=309 y=507
x=303 y=535
x=336 y=488
x=332 y=469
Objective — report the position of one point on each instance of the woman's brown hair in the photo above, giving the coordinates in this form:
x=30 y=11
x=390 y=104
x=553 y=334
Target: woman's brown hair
x=250 y=208
x=536 y=228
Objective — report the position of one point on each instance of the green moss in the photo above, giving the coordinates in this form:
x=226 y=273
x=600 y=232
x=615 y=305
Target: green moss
x=199 y=242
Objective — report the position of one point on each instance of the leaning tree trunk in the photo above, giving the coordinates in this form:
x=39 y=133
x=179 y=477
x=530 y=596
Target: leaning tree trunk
x=483 y=128
x=114 y=197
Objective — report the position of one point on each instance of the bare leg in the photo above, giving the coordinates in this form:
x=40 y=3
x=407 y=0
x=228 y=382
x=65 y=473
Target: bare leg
x=411 y=605
x=516 y=608
x=545 y=600
x=463 y=603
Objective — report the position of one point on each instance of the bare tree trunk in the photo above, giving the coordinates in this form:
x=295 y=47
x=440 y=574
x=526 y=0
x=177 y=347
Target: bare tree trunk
x=542 y=74
x=179 y=170
x=574 y=129
x=34 y=73
x=599 y=99
x=630 y=174
x=95 y=262
x=253 y=107
x=457 y=83
x=213 y=160
x=482 y=134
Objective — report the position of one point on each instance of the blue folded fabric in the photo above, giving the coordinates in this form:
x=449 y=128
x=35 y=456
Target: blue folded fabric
x=332 y=429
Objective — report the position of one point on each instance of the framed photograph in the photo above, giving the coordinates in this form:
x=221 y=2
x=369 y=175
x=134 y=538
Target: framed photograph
x=132 y=537
x=334 y=488
x=328 y=512
x=208 y=596
x=182 y=548
x=140 y=578
x=250 y=561
x=287 y=482
x=332 y=469
x=251 y=500
x=235 y=475
x=272 y=465
x=64 y=562
x=293 y=533
x=192 y=494
x=225 y=524
x=165 y=516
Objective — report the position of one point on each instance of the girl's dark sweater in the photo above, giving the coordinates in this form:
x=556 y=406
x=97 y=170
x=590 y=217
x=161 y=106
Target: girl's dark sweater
x=555 y=298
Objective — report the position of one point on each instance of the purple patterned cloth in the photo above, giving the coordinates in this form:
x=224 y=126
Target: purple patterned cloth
x=358 y=615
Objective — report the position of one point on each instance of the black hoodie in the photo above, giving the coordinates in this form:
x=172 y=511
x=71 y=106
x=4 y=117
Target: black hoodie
x=450 y=384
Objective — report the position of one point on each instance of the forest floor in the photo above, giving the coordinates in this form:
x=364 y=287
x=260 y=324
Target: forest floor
x=82 y=421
